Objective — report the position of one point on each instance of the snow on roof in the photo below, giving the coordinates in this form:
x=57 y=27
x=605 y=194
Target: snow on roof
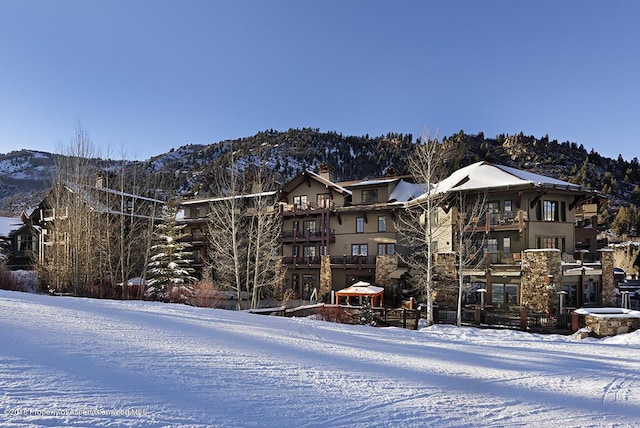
x=405 y=191
x=485 y=175
x=8 y=225
x=328 y=183
x=373 y=182
x=224 y=198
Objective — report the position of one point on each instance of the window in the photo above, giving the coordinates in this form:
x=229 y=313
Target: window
x=194 y=212
x=25 y=242
x=359 y=224
x=382 y=223
x=504 y=294
x=309 y=251
x=551 y=242
x=508 y=206
x=506 y=248
x=308 y=285
x=493 y=208
x=492 y=249
x=550 y=211
x=369 y=196
x=508 y=210
x=386 y=249
x=300 y=202
x=359 y=250
x=323 y=200
x=309 y=228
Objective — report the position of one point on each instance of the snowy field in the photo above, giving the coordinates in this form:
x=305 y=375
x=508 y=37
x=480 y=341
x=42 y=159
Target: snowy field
x=82 y=362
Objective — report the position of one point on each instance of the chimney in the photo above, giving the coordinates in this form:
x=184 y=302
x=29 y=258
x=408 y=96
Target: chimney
x=326 y=171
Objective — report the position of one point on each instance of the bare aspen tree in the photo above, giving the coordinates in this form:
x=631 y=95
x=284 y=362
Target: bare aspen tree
x=268 y=273
x=418 y=223
x=71 y=263
x=243 y=228
x=469 y=216
x=225 y=229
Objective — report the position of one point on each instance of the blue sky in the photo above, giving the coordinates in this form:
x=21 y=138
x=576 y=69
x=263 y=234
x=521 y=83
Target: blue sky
x=142 y=77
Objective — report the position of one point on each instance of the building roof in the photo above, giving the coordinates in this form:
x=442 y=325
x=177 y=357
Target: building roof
x=485 y=175
x=8 y=225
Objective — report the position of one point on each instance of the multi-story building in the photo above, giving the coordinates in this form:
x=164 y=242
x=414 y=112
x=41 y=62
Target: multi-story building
x=537 y=235
x=337 y=233
x=533 y=233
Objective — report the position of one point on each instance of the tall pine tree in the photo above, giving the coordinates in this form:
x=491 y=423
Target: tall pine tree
x=169 y=270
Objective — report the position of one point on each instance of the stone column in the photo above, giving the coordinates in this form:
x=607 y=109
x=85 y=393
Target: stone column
x=385 y=264
x=608 y=280
x=326 y=280
x=536 y=293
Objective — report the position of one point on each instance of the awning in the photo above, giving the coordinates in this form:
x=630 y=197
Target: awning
x=396 y=274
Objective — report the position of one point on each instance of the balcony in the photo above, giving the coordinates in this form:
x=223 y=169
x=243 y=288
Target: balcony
x=302 y=261
x=503 y=220
x=309 y=208
x=292 y=236
x=345 y=262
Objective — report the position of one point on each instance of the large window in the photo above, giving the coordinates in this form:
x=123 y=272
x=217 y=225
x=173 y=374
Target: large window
x=551 y=242
x=504 y=294
x=370 y=195
x=323 y=200
x=359 y=250
x=308 y=286
x=386 y=249
x=359 y=224
x=492 y=249
x=300 y=202
x=382 y=223
x=493 y=208
x=550 y=211
x=309 y=228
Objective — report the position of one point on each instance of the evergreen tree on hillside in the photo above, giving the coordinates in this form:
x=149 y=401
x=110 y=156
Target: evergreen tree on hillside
x=169 y=266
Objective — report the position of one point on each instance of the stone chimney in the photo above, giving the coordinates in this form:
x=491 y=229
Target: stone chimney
x=326 y=172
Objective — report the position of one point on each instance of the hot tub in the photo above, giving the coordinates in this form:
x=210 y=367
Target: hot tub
x=609 y=321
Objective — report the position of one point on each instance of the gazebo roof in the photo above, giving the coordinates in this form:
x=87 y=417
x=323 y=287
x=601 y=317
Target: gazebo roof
x=361 y=288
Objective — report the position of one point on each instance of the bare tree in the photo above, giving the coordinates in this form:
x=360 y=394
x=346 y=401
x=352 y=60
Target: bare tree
x=418 y=223
x=469 y=215
x=71 y=262
x=243 y=228
x=268 y=273
x=225 y=226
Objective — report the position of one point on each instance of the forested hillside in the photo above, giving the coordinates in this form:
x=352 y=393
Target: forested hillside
x=190 y=170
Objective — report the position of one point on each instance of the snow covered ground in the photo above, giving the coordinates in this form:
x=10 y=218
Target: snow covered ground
x=81 y=362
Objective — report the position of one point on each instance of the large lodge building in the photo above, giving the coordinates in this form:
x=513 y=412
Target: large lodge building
x=539 y=235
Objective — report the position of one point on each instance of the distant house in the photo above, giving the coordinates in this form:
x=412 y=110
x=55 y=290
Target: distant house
x=23 y=241
x=8 y=227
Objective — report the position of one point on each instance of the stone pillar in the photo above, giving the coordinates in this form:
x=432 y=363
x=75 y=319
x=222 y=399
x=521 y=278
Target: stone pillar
x=536 y=292
x=385 y=264
x=608 y=280
x=326 y=280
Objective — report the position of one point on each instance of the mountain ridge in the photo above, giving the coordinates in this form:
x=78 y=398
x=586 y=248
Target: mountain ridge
x=188 y=170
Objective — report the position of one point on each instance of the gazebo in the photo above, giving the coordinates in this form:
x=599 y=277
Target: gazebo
x=362 y=289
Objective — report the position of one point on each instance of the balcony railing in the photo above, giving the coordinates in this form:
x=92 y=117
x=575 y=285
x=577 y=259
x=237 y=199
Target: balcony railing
x=307 y=235
x=308 y=207
x=503 y=220
x=346 y=261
